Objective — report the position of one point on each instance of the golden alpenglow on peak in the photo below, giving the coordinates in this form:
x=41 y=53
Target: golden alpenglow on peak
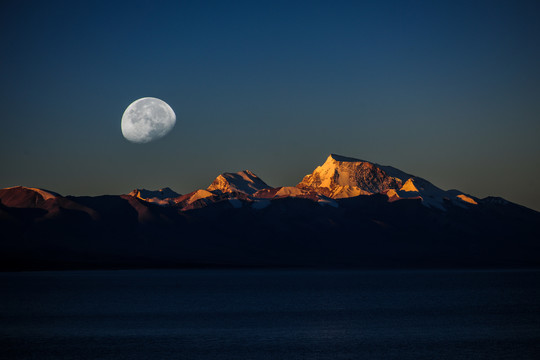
x=243 y=181
x=341 y=177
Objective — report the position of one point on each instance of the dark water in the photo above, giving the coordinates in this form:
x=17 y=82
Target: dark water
x=270 y=314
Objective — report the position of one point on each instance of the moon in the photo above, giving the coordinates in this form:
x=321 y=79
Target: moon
x=147 y=119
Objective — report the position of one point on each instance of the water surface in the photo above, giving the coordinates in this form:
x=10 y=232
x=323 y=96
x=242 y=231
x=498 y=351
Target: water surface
x=270 y=314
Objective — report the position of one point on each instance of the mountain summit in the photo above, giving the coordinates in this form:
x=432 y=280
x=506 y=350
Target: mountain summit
x=243 y=181
x=344 y=177
x=341 y=177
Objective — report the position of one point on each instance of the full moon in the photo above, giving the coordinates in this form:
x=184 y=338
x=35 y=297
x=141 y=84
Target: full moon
x=147 y=119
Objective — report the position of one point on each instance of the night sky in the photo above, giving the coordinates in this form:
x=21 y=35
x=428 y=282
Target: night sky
x=449 y=91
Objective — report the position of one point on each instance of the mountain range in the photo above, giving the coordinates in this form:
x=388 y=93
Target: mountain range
x=346 y=213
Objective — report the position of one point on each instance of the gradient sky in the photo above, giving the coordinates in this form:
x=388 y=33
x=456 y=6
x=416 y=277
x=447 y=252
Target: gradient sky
x=449 y=91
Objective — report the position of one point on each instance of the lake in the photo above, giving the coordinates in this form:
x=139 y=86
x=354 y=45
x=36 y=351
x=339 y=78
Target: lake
x=270 y=314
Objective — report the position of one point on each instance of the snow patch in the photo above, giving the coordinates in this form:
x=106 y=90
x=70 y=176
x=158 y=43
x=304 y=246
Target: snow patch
x=467 y=199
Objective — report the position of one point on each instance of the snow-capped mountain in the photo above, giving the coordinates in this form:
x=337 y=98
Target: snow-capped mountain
x=163 y=196
x=344 y=177
x=339 y=177
x=347 y=213
x=243 y=181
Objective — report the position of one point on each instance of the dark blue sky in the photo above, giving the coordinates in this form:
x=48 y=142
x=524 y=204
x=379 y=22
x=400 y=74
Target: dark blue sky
x=449 y=91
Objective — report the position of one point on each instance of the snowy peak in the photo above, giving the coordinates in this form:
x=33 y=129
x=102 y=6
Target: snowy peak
x=162 y=196
x=342 y=176
x=243 y=181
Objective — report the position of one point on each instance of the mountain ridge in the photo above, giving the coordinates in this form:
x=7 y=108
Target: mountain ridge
x=404 y=222
x=331 y=180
